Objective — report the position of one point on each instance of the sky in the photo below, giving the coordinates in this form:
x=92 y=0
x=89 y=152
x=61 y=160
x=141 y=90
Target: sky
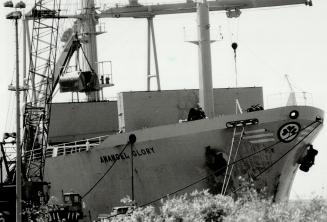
x=272 y=42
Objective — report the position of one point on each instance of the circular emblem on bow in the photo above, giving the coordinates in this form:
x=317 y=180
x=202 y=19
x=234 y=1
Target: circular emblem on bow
x=289 y=132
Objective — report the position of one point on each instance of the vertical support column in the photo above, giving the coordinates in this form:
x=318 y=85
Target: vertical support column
x=155 y=55
x=156 y=75
x=18 y=150
x=24 y=59
x=90 y=48
x=132 y=171
x=149 y=57
x=205 y=73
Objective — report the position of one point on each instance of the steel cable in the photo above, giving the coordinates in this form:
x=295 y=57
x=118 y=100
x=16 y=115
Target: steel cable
x=108 y=170
x=236 y=152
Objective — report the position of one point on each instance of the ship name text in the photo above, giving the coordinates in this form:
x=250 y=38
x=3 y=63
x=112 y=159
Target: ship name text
x=124 y=156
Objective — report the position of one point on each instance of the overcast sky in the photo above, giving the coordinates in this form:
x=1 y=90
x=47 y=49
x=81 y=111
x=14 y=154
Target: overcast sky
x=272 y=43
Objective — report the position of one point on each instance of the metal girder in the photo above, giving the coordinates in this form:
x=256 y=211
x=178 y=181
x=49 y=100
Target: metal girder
x=43 y=50
x=145 y=11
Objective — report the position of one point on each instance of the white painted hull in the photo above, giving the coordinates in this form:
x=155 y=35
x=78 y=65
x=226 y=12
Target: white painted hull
x=168 y=158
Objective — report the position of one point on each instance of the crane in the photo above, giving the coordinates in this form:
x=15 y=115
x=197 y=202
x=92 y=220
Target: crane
x=45 y=68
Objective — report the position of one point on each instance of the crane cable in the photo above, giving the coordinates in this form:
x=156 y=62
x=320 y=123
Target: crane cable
x=234 y=47
x=108 y=170
x=236 y=152
x=234 y=33
x=229 y=157
x=88 y=62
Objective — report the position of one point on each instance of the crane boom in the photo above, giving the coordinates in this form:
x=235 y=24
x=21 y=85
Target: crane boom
x=71 y=46
x=145 y=11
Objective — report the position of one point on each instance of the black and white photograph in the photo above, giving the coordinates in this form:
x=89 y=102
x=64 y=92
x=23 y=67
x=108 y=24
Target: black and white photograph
x=163 y=110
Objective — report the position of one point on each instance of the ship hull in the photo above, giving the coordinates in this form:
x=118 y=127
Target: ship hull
x=175 y=157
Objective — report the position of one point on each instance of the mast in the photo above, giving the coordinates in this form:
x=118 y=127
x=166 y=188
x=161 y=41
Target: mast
x=205 y=72
x=89 y=22
x=16 y=15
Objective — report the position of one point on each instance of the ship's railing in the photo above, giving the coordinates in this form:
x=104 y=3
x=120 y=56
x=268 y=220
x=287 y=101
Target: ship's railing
x=65 y=148
x=281 y=99
x=74 y=147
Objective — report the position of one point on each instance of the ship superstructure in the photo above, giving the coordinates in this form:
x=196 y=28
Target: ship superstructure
x=150 y=144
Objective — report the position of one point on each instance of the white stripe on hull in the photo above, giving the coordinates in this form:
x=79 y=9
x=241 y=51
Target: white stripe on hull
x=252 y=131
x=262 y=140
x=258 y=136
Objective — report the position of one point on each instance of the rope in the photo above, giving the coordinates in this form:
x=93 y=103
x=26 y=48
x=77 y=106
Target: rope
x=234 y=33
x=233 y=28
x=235 y=69
x=228 y=162
x=88 y=62
x=238 y=146
x=112 y=165
x=276 y=161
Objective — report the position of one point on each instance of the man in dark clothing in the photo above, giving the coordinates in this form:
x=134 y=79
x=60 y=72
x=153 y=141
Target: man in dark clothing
x=196 y=113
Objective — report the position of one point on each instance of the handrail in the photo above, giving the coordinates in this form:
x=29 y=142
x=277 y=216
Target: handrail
x=82 y=141
x=66 y=148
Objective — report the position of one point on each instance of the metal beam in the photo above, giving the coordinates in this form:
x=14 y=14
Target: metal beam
x=151 y=36
x=145 y=11
x=205 y=70
x=71 y=46
x=155 y=55
x=88 y=30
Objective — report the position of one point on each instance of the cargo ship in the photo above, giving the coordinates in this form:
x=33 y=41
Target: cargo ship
x=88 y=155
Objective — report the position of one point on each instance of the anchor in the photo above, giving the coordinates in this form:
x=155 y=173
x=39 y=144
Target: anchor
x=309 y=159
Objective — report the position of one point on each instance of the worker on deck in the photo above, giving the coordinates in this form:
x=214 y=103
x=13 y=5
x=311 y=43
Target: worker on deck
x=196 y=113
